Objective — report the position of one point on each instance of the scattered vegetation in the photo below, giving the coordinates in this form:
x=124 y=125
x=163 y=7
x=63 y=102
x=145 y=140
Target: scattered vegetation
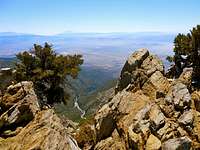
x=48 y=71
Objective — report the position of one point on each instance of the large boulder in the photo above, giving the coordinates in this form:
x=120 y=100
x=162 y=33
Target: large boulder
x=186 y=118
x=141 y=122
x=179 y=96
x=127 y=114
x=157 y=118
x=157 y=83
x=152 y=64
x=183 y=143
x=153 y=143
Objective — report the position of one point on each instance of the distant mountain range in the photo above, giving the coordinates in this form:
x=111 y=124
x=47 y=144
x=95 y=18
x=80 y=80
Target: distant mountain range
x=99 y=49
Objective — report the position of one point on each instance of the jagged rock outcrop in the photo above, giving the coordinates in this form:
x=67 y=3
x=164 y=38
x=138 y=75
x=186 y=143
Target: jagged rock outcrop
x=138 y=68
x=16 y=93
x=20 y=105
x=45 y=131
x=25 y=125
x=130 y=73
x=149 y=111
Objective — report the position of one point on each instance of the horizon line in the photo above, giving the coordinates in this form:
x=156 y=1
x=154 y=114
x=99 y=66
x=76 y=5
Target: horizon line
x=81 y=32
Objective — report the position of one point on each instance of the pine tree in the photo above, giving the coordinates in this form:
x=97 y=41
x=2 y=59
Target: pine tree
x=47 y=70
x=187 y=54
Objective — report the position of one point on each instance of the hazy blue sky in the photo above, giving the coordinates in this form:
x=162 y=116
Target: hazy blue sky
x=57 y=16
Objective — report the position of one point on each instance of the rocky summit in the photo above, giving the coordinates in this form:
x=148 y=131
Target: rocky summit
x=149 y=111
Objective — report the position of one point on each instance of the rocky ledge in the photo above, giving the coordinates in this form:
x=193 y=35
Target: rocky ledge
x=149 y=111
x=24 y=125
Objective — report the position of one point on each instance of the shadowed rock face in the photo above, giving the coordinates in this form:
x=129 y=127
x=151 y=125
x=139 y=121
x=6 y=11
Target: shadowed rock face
x=149 y=111
x=24 y=125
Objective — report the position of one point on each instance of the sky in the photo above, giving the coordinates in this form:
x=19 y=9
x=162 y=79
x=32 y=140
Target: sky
x=48 y=17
